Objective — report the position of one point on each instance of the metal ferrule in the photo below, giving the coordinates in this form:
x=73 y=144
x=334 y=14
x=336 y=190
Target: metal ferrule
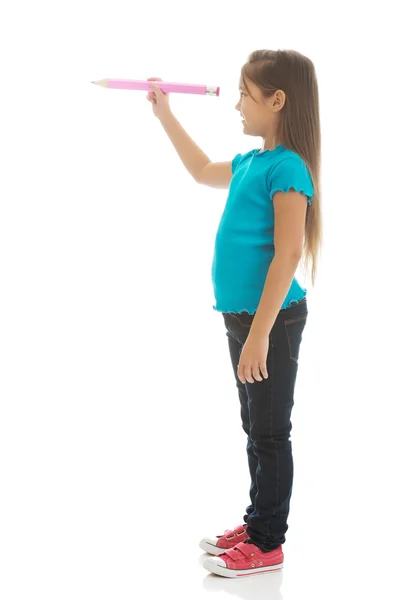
x=211 y=90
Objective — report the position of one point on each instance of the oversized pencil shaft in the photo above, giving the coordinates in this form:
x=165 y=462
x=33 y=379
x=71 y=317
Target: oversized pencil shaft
x=165 y=86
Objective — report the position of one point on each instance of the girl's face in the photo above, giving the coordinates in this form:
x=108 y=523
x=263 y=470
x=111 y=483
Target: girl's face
x=260 y=116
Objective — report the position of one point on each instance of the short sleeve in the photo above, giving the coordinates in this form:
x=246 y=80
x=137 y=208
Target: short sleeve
x=236 y=161
x=241 y=158
x=291 y=173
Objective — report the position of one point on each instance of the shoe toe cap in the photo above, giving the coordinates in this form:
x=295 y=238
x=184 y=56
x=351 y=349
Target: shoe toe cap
x=216 y=560
x=210 y=540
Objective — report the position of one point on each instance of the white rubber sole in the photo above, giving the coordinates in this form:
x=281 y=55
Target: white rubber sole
x=213 y=566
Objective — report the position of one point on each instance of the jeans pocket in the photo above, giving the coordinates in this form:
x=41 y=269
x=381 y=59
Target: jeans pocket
x=294 y=329
x=244 y=319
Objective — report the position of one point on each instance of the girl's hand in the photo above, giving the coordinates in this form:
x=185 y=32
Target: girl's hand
x=253 y=359
x=159 y=100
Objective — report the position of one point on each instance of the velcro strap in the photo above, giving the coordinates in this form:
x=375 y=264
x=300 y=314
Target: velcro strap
x=239 y=551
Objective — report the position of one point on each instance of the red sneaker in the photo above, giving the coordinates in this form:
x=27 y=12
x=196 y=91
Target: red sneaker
x=231 y=537
x=245 y=559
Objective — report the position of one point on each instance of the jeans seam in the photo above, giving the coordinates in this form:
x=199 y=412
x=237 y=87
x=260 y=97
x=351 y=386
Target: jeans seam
x=274 y=442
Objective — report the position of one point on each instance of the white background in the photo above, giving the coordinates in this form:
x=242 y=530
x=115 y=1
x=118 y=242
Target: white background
x=120 y=436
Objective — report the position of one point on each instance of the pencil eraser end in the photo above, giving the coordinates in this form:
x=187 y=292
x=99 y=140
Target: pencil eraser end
x=217 y=91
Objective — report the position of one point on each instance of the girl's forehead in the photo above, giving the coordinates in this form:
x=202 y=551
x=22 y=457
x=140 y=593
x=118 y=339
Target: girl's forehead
x=243 y=87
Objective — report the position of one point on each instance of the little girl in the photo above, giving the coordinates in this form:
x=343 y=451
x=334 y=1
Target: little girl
x=273 y=202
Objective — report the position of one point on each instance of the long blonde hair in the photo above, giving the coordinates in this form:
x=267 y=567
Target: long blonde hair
x=299 y=125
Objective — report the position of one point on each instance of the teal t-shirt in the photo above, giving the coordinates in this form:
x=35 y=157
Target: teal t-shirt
x=244 y=243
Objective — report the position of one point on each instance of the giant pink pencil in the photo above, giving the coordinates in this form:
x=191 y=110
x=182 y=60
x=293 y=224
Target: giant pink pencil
x=165 y=86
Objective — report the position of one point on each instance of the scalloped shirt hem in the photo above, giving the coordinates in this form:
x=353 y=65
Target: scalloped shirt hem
x=253 y=311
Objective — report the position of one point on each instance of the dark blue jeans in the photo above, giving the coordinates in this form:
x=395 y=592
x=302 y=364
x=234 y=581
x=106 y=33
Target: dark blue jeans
x=266 y=408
